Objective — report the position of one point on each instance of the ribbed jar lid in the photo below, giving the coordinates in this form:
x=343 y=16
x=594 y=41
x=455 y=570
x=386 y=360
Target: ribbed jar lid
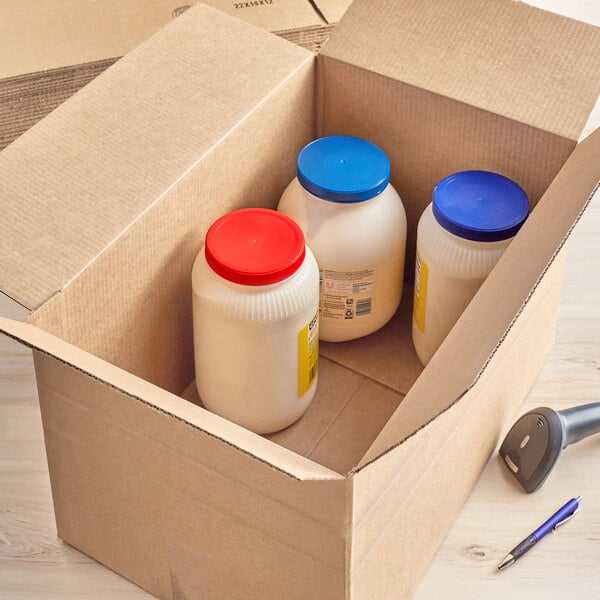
x=342 y=168
x=255 y=246
x=480 y=206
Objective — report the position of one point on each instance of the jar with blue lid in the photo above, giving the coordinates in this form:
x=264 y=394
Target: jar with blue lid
x=461 y=235
x=355 y=224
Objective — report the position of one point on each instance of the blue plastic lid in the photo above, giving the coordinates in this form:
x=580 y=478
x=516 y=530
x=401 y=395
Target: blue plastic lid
x=342 y=168
x=480 y=206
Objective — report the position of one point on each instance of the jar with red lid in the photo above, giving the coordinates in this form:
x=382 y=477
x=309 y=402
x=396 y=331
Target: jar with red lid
x=256 y=320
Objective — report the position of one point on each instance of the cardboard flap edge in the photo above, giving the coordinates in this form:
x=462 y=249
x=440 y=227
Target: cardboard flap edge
x=577 y=183
x=332 y=10
x=284 y=460
x=82 y=150
x=463 y=50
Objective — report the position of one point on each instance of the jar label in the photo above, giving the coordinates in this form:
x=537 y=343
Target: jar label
x=308 y=355
x=346 y=295
x=420 y=296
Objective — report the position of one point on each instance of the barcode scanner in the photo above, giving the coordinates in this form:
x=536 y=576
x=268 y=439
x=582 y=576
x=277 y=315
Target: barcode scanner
x=534 y=442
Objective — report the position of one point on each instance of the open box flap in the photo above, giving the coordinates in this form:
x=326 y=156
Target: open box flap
x=332 y=10
x=475 y=336
x=60 y=224
x=140 y=390
x=280 y=15
x=502 y=56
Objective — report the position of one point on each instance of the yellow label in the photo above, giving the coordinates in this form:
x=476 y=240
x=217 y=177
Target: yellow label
x=308 y=355
x=420 y=299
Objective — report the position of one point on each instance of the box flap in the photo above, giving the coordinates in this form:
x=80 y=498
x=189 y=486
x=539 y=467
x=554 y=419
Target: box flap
x=140 y=390
x=475 y=337
x=332 y=10
x=272 y=15
x=502 y=56
x=54 y=189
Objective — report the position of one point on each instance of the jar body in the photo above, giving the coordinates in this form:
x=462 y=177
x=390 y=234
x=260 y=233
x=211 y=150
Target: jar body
x=256 y=347
x=360 y=249
x=449 y=271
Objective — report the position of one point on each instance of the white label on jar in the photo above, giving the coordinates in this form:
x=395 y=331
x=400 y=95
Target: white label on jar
x=346 y=294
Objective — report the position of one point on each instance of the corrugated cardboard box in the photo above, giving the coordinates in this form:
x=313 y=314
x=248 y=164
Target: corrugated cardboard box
x=107 y=201
x=51 y=48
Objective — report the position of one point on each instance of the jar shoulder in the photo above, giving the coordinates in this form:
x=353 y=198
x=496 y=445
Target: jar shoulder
x=298 y=293
x=458 y=257
x=371 y=222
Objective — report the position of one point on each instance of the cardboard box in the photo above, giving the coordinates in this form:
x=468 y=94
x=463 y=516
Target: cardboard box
x=107 y=201
x=51 y=48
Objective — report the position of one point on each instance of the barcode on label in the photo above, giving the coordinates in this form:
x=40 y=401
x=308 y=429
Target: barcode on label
x=420 y=294
x=417 y=275
x=312 y=373
x=363 y=306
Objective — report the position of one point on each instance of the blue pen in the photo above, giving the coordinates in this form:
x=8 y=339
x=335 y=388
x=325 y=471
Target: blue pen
x=561 y=516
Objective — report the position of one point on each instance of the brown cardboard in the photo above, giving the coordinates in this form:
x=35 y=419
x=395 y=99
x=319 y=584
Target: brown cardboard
x=60 y=33
x=474 y=109
x=273 y=16
x=117 y=379
x=332 y=10
x=83 y=218
x=499 y=57
x=544 y=234
x=138 y=164
x=213 y=504
x=411 y=491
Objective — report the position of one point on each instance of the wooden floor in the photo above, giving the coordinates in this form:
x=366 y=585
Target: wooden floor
x=34 y=564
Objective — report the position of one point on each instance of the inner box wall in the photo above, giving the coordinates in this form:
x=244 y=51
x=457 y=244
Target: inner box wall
x=428 y=136
x=137 y=294
x=363 y=382
x=178 y=510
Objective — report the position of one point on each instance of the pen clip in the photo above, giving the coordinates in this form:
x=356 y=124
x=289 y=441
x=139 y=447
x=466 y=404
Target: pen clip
x=567 y=518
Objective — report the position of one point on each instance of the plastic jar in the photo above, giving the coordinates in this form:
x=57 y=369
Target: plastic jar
x=460 y=237
x=255 y=306
x=355 y=224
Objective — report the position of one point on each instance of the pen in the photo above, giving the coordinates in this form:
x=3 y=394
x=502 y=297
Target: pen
x=560 y=517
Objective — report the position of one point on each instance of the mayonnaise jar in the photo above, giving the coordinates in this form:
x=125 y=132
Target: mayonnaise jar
x=461 y=235
x=255 y=311
x=355 y=224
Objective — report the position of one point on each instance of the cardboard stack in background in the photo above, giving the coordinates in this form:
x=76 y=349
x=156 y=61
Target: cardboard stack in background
x=52 y=48
x=106 y=203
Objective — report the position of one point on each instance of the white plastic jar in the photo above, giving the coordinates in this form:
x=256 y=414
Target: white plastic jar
x=460 y=237
x=255 y=306
x=355 y=224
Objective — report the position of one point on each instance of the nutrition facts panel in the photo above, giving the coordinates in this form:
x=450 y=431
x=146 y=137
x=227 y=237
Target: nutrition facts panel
x=346 y=294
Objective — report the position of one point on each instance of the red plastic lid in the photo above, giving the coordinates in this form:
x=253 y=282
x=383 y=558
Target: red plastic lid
x=255 y=246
